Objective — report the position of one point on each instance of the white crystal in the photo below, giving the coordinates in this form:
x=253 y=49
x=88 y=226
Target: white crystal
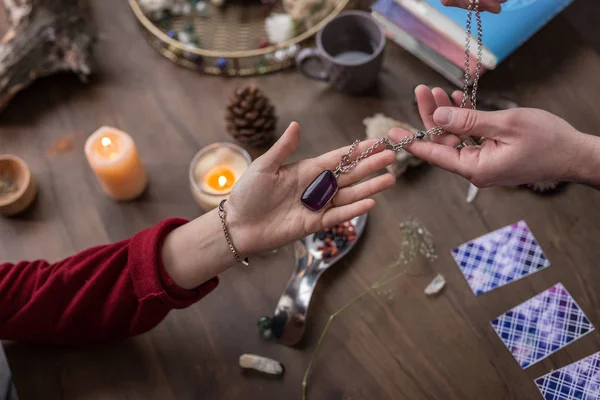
x=279 y=28
x=473 y=190
x=280 y=55
x=151 y=6
x=436 y=285
x=186 y=9
x=177 y=9
x=292 y=50
x=259 y=363
x=184 y=37
x=201 y=7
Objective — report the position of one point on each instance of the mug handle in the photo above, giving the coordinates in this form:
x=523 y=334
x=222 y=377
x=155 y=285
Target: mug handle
x=308 y=54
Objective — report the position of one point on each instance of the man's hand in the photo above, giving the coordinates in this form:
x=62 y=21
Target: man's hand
x=522 y=145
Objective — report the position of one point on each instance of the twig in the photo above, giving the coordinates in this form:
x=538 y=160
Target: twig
x=416 y=240
x=333 y=316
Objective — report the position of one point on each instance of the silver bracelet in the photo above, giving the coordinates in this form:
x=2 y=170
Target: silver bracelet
x=222 y=215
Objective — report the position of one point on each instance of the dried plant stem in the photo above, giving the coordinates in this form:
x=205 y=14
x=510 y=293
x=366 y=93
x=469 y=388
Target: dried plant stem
x=416 y=241
x=375 y=286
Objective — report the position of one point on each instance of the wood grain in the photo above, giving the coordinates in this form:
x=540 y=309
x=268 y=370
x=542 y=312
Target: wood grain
x=398 y=345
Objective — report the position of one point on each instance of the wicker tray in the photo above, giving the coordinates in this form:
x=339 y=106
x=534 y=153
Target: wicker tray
x=229 y=39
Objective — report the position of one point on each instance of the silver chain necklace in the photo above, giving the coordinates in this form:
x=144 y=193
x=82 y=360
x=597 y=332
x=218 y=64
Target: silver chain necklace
x=320 y=192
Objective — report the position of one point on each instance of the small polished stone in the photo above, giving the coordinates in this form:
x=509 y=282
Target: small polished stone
x=201 y=8
x=420 y=135
x=184 y=37
x=264 y=323
x=280 y=55
x=186 y=9
x=320 y=191
x=292 y=50
x=222 y=63
x=267 y=334
x=172 y=34
x=177 y=9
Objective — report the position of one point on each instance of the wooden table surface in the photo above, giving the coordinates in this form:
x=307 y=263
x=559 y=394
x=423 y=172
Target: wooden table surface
x=396 y=345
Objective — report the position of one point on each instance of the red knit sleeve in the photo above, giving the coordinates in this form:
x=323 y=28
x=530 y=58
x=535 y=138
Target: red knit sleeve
x=103 y=293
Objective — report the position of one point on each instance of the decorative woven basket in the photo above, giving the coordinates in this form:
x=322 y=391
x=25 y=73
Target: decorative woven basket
x=229 y=39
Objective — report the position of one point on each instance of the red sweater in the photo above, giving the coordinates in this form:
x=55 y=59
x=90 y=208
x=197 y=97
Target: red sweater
x=103 y=293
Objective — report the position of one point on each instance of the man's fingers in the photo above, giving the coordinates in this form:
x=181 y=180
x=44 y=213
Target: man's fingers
x=462 y=121
x=427 y=105
x=441 y=97
x=397 y=134
x=457 y=97
x=442 y=100
x=446 y=157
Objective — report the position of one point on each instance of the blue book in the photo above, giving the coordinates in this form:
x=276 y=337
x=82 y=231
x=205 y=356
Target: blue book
x=505 y=32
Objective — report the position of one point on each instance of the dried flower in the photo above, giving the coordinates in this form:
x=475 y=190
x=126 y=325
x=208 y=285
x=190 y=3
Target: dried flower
x=416 y=241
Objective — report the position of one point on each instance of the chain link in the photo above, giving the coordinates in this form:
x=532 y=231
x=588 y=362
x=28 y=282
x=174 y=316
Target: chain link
x=222 y=215
x=345 y=165
x=473 y=6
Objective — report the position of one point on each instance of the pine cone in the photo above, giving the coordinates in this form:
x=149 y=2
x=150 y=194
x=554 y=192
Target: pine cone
x=251 y=117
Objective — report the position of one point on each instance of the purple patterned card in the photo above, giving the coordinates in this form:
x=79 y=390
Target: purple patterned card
x=500 y=257
x=580 y=380
x=542 y=325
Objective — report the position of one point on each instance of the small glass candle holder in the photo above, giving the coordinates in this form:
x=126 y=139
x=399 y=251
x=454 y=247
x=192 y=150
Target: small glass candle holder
x=214 y=171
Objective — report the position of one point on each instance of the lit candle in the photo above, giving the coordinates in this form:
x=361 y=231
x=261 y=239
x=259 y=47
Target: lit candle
x=113 y=157
x=214 y=171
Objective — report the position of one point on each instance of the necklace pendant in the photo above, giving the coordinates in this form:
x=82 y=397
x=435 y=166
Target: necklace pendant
x=320 y=192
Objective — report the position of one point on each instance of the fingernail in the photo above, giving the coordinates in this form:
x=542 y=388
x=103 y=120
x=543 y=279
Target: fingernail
x=442 y=116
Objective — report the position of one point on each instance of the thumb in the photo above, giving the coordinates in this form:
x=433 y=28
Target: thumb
x=281 y=150
x=461 y=121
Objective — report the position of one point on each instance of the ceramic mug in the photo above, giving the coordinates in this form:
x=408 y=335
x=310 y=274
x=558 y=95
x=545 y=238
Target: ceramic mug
x=349 y=50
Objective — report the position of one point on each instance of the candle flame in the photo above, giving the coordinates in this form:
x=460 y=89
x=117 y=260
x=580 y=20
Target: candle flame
x=106 y=142
x=220 y=178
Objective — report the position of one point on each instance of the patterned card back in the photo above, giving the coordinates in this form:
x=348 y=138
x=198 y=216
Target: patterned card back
x=580 y=380
x=500 y=257
x=542 y=325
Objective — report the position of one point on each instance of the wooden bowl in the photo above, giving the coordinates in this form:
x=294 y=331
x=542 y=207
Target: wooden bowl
x=15 y=170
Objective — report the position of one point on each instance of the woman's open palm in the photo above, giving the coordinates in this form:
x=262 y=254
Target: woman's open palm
x=266 y=200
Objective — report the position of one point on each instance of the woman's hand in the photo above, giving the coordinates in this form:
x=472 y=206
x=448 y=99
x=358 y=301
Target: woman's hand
x=264 y=209
x=484 y=5
x=521 y=145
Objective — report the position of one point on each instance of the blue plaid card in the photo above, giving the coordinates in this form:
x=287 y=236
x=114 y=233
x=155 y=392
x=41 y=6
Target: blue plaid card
x=580 y=380
x=542 y=325
x=500 y=257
